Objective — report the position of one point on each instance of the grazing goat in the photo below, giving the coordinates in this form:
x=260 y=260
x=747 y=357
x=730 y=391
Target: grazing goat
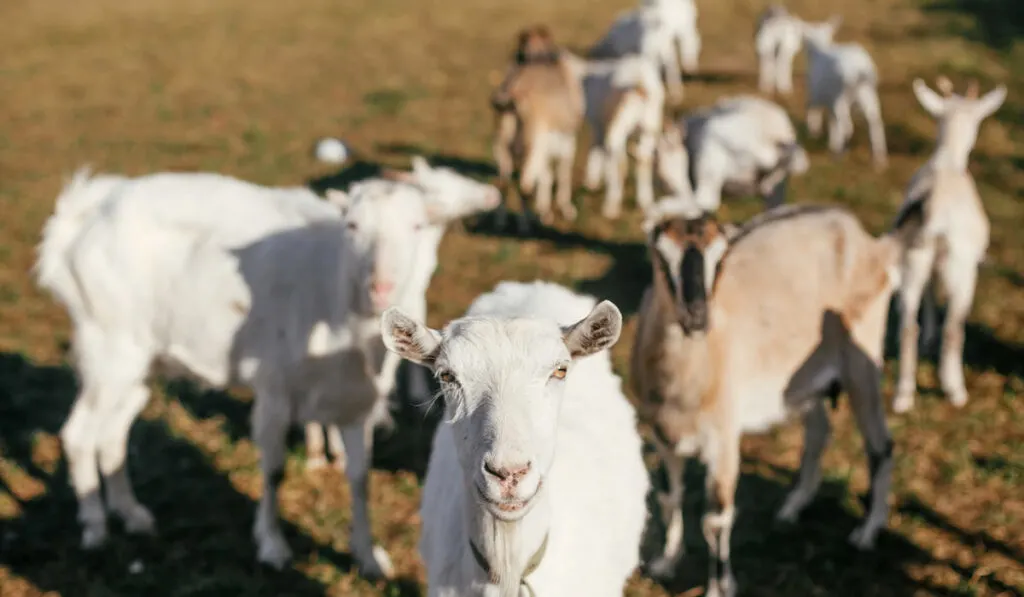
x=536 y=479
x=624 y=97
x=741 y=145
x=649 y=30
x=539 y=108
x=225 y=281
x=840 y=76
x=777 y=41
x=953 y=240
x=451 y=196
x=740 y=332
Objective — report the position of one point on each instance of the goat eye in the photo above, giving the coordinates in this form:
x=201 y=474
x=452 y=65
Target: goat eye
x=560 y=371
x=418 y=227
x=351 y=225
x=446 y=377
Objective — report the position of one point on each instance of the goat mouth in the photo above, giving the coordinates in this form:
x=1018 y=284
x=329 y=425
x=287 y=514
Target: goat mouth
x=510 y=507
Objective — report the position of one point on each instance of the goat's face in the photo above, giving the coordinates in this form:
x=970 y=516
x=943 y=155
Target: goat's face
x=503 y=382
x=821 y=33
x=384 y=221
x=672 y=161
x=535 y=45
x=685 y=249
x=959 y=116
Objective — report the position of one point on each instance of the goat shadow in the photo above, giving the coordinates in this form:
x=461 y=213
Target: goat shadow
x=204 y=540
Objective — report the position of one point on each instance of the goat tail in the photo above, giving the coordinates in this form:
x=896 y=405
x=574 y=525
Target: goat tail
x=78 y=201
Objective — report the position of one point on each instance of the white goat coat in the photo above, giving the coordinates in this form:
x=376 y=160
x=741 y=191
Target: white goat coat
x=597 y=484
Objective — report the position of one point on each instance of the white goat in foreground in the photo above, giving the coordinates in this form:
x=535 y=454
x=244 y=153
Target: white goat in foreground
x=227 y=281
x=741 y=145
x=536 y=479
x=450 y=196
x=777 y=41
x=738 y=334
x=840 y=76
x=651 y=30
x=624 y=97
x=954 y=237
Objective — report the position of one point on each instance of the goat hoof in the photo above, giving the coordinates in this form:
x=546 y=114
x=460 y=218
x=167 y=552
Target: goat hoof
x=957 y=397
x=316 y=463
x=787 y=516
x=903 y=403
x=139 y=521
x=569 y=212
x=663 y=567
x=94 y=536
x=611 y=214
x=379 y=566
x=862 y=538
x=274 y=552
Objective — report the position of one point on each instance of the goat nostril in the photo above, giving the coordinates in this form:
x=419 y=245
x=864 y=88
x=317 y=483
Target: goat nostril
x=500 y=473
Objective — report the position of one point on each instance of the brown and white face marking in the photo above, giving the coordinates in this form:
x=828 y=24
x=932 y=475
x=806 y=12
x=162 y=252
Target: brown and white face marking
x=535 y=45
x=685 y=251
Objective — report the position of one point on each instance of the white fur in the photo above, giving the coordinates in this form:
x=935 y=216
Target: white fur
x=227 y=281
x=777 y=41
x=633 y=84
x=840 y=76
x=739 y=145
x=451 y=196
x=503 y=408
x=952 y=243
x=651 y=30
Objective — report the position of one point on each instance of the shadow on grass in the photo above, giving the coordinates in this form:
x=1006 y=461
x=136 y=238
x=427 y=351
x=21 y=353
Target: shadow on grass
x=204 y=544
x=997 y=23
x=623 y=283
x=469 y=167
x=812 y=557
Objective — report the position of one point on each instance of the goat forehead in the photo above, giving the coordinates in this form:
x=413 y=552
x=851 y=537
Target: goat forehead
x=396 y=207
x=487 y=349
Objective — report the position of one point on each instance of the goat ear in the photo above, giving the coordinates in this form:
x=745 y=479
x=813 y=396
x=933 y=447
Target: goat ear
x=595 y=332
x=339 y=198
x=409 y=338
x=991 y=101
x=420 y=166
x=835 y=21
x=730 y=230
x=932 y=102
x=398 y=175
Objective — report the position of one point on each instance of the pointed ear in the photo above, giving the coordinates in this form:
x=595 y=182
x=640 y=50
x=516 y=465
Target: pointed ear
x=420 y=166
x=932 y=102
x=835 y=21
x=595 y=332
x=409 y=338
x=991 y=101
x=339 y=198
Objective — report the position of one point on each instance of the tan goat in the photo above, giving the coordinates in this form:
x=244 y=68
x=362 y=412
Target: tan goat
x=539 y=108
x=742 y=331
x=952 y=241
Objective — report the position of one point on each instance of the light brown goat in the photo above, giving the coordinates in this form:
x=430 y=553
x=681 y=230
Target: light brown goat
x=539 y=109
x=952 y=241
x=737 y=335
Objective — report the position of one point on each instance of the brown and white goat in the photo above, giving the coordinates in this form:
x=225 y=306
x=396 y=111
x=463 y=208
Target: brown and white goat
x=739 y=334
x=952 y=241
x=539 y=108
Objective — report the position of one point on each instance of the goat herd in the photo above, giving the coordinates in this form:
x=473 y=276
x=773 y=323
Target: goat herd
x=535 y=480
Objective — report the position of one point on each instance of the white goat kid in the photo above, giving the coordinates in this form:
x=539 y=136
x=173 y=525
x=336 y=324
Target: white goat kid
x=517 y=494
x=450 y=196
x=952 y=242
x=741 y=145
x=197 y=272
x=624 y=98
x=777 y=41
x=840 y=76
x=645 y=31
x=681 y=18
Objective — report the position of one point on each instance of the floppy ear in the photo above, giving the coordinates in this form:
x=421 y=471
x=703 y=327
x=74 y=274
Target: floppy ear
x=595 y=332
x=991 y=101
x=339 y=198
x=932 y=102
x=409 y=338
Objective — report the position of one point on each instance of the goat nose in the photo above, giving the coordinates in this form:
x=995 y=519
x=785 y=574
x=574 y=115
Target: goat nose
x=506 y=473
x=381 y=286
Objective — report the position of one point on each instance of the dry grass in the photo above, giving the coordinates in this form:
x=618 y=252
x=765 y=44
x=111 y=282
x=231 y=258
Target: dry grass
x=243 y=87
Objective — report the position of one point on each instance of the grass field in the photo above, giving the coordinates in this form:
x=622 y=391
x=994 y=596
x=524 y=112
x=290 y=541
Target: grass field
x=243 y=87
